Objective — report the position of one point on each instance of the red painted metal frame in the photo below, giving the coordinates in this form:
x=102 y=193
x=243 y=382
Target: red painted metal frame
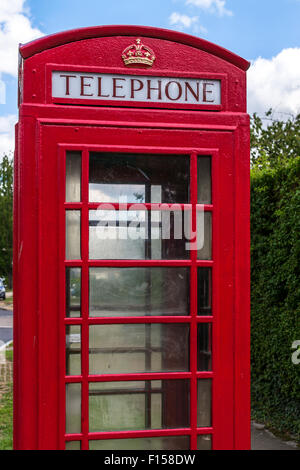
x=65 y=37
x=45 y=131
x=193 y=320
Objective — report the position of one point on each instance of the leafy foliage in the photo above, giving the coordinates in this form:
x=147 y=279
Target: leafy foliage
x=275 y=286
x=275 y=144
x=6 y=217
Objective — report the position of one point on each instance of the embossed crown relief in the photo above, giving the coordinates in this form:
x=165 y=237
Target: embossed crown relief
x=138 y=54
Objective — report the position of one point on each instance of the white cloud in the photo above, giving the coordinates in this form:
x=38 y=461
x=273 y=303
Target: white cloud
x=181 y=21
x=7 y=134
x=275 y=83
x=15 y=28
x=212 y=6
x=10 y=7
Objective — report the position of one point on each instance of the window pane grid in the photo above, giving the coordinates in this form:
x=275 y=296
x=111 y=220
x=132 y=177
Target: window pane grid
x=85 y=321
x=85 y=301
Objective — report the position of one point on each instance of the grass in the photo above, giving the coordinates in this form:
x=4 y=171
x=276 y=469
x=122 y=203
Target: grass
x=8 y=301
x=6 y=417
x=9 y=354
x=6 y=409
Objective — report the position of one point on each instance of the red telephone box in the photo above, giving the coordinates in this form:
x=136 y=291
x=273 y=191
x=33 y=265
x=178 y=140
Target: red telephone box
x=131 y=248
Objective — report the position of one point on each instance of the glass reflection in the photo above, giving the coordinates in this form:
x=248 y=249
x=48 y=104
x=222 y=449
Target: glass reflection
x=204 y=291
x=73 y=349
x=138 y=234
x=139 y=291
x=138 y=178
x=73 y=176
x=73 y=234
x=122 y=406
x=204 y=180
x=204 y=346
x=73 y=292
x=144 y=443
x=138 y=348
x=204 y=403
x=204 y=442
x=204 y=234
x=73 y=408
x=73 y=445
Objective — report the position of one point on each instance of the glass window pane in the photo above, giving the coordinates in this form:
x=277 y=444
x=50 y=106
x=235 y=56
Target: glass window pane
x=73 y=176
x=204 y=442
x=204 y=291
x=139 y=178
x=73 y=350
x=73 y=445
x=204 y=403
x=139 y=234
x=204 y=234
x=204 y=180
x=73 y=408
x=122 y=406
x=138 y=348
x=73 y=292
x=145 y=443
x=204 y=346
x=139 y=291
x=73 y=234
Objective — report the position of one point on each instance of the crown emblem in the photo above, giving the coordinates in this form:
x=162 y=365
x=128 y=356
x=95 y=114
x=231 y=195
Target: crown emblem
x=138 y=54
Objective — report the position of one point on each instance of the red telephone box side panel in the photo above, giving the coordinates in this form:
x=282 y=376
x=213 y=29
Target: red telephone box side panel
x=49 y=332
x=15 y=286
x=242 y=289
x=25 y=281
x=223 y=246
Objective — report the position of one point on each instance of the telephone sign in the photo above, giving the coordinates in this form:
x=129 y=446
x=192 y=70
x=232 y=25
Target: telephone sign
x=141 y=88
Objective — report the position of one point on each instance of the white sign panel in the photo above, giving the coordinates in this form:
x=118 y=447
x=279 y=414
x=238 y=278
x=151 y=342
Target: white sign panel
x=140 y=88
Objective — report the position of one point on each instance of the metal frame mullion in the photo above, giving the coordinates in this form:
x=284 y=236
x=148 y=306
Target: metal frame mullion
x=62 y=298
x=193 y=290
x=85 y=299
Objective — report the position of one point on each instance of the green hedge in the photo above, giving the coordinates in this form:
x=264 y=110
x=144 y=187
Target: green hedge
x=275 y=295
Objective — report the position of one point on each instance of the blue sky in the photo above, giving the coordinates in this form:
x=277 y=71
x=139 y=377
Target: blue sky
x=256 y=27
x=266 y=32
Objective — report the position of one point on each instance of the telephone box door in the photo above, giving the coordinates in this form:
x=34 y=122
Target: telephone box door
x=136 y=250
